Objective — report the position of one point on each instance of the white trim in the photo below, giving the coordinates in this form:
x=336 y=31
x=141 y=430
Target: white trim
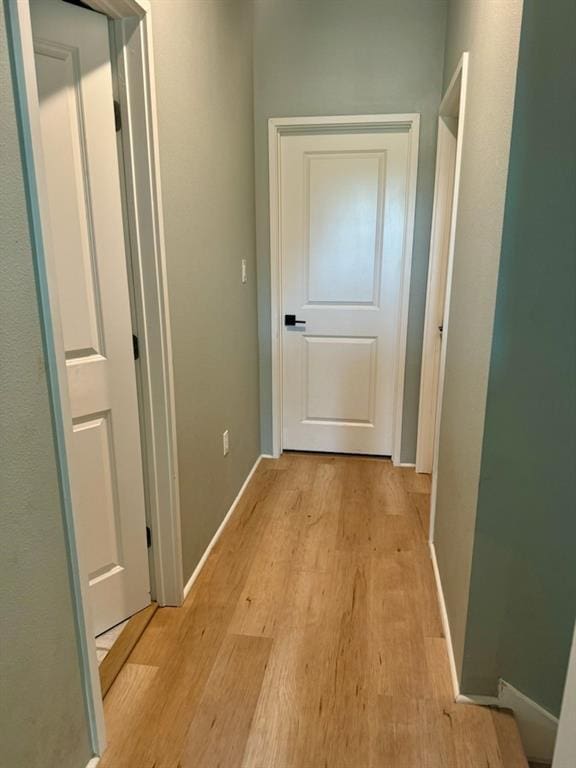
x=405 y=464
x=137 y=91
x=445 y=622
x=136 y=85
x=120 y=9
x=538 y=728
x=447 y=107
x=26 y=93
x=477 y=700
x=277 y=127
x=223 y=524
x=93 y=762
x=437 y=270
x=565 y=751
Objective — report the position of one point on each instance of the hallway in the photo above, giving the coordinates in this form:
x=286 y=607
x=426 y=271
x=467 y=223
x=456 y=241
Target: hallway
x=312 y=638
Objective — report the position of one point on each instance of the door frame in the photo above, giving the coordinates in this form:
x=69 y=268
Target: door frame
x=452 y=105
x=282 y=126
x=131 y=32
x=448 y=162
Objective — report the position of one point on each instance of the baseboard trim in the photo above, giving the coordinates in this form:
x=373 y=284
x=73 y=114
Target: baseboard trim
x=537 y=726
x=93 y=762
x=406 y=464
x=196 y=573
x=445 y=622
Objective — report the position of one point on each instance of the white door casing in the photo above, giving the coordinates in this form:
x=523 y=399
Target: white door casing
x=451 y=116
x=343 y=223
x=79 y=143
x=436 y=292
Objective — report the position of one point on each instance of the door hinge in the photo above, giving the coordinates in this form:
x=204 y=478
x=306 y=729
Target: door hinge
x=148 y=537
x=135 y=346
x=117 y=116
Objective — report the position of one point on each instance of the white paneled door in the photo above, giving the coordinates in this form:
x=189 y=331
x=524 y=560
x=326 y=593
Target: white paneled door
x=81 y=164
x=343 y=210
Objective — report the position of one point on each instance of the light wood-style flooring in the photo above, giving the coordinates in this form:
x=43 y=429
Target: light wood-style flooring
x=311 y=639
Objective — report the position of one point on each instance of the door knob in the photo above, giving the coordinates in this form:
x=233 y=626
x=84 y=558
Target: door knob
x=291 y=320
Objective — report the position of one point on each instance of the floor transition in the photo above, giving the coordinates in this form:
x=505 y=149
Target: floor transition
x=311 y=639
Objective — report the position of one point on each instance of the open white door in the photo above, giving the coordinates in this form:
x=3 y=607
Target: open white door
x=79 y=143
x=344 y=213
x=446 y=186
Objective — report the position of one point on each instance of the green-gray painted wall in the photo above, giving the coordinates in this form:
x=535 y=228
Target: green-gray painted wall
x=41 y=700
x=203 y=63
x=490 y=31
x=336 y=57
x=523 y=589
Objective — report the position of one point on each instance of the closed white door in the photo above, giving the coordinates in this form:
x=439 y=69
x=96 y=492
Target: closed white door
x=343 y=214
x=81 y=164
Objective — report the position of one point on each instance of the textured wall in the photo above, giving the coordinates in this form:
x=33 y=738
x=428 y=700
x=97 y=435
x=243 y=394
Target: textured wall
x=490 y=31
x=203 y=59
x=41 y=699
x=335 y=57
x=523 y=589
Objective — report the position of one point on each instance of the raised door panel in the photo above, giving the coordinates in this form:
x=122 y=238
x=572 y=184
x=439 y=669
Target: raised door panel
x=71 y=214
x=97 y=493
x=339 y=380
x=344 y=206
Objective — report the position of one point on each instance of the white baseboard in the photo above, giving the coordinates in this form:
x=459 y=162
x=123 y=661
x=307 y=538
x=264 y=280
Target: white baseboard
x=93 y=762
x=478 y=700
x=445 y=622
x=192 y=579
x=408 y=464
x=537 y=726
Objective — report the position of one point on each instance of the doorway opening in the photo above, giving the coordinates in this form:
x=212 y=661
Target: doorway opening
x=445 y=209
x=436 y=326
x=342 y=200
x=68 y=84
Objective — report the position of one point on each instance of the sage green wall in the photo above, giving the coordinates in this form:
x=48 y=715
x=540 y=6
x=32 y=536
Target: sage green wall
x=335 y=57
x=490 y=31
x=523 y=589
x=41 y=700
x=203 y=62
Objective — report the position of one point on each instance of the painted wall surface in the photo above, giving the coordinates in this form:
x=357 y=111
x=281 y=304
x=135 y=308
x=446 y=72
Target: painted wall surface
x=41 y=699
x=203 y=61
x=490 y=31
x=335 y=57
x=523 y=589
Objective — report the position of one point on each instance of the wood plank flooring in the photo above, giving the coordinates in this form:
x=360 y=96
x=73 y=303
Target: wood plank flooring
x=311 y=639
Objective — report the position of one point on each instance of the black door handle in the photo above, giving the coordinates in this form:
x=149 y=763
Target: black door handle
x=291 y=320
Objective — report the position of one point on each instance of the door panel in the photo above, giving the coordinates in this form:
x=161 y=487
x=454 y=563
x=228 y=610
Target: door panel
x=342 y=229
x=345 y=225
x=350 y=364
x=82 y=174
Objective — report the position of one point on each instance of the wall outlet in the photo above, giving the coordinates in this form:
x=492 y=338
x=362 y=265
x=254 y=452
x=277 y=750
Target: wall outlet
x=225 y=443
x=244 y=271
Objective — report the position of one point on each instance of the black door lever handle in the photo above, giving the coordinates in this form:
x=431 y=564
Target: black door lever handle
x=291 y=320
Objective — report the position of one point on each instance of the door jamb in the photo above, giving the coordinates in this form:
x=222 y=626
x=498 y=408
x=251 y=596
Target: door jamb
x=279 y=127
x=440 y=245
x=132 y=26
x=452 y=105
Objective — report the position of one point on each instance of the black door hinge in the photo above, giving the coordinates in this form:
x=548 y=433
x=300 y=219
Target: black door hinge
x=135 y=346
x=148 y=537
x=117 y=116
